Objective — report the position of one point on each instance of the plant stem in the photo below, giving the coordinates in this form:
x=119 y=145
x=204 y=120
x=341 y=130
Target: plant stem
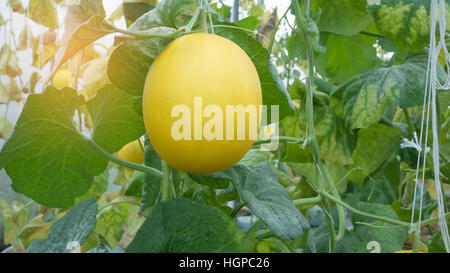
x=166 y=182
x=25 y=207
x=131 y=165
x=237 y=209
x=416 y=238
x=408 y=120
x=276 y=28
x=308 y=201
x=254 y=228
x=278 y=139
x=117 y=202
x=371 y=34
x=145 y=35
x=368 y=215
x=321 y=168
x=203 y=24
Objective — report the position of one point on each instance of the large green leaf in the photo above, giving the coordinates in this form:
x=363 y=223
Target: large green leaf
x=69 y=232
x=405 y=22
x=375 y=145
x=46 y=157
x=168 y=13
x=344 y=17
x=273 y=90
x=129 y=63
x=366 y=230
x=347 y=56
x=363 y=99
x=115 y=122
x=181 y=225
x=258 y=186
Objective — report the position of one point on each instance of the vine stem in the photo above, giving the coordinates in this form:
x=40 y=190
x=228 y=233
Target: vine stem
x=312 y=140
x=278 y=139
x=254 y=228
x=166 y=182
x=144 y=35
x=408 y=120
x=308 y=201
x=131 y=165
x=237 y=209
x=368 y=215
x=117 y=202
x=203 y=23
x=276 y=28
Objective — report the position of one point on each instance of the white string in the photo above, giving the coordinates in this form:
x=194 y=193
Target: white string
x=429 y=107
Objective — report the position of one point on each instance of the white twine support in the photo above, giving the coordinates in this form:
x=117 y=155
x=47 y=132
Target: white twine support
x=429 y=108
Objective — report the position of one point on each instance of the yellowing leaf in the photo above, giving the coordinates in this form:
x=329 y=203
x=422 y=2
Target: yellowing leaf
x=5 y=127
x=95 y=76
x=44 y=12
x=9 y=63
x=431 y=188
x=16 y=6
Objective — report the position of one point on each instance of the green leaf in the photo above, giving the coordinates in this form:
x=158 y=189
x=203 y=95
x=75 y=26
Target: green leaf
x=294 y=152
x=375 y=145
x=83 y=24
x=250 y=23
x=115 y=122
x=273 y=91
x=296 y=45
x=336 y=142
x=109 y=226
x=363 y=99
x=152 y=185
x=134 y=10
x=43 y=12
x=366 y=230
x=405 y=214
x=86 y=33
x=347 y=56
x=46 y=157
x=405 y=22
x=377 y=190
x=215 y=180
x=255 y=156
x=168 y=13
x=71 y=230
x=181 y=226
x=129 y=63
x=344 y=17
x=222 y=14
x=309 y=171
x=436 y=244
x=258 y=186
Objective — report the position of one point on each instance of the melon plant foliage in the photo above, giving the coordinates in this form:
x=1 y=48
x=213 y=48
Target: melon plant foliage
x=337 y=188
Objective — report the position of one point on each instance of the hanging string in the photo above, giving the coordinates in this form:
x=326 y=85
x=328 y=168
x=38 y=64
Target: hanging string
x=430 y=108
